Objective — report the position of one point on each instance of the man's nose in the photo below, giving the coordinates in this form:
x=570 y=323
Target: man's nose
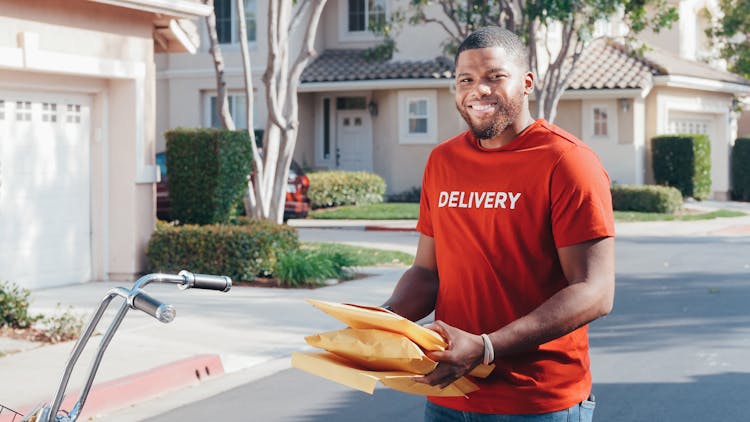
x=484 y=89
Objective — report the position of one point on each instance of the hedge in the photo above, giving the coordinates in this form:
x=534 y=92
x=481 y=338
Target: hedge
x=683 y=161
x=741 y=170
x=647 y=198
x=336 y=188
x=208 y=170
x=242 y=251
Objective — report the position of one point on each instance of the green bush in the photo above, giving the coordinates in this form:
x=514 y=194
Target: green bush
x=741 y=170
x=242 y=251
x=14 y=306
x=648 y=198
x=683 y=161
x=412 y=195
x=335 y=188
x=303 y=267
x=208 y=170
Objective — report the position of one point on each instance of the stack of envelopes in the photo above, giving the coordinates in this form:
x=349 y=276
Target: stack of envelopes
x=378 y=345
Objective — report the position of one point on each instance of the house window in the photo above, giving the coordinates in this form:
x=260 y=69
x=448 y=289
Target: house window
x=351 y=103
x=600 y=121
x=49 y=112
x=23 y=111
x=73 y=113
x=227 y=25
x=326 y=128
x=237 y=110
x=365 y=14
x=418 y=117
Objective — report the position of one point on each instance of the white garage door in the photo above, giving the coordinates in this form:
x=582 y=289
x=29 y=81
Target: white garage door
x=45 y=223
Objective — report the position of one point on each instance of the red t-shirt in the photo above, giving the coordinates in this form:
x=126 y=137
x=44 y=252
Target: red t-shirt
x=497 y=218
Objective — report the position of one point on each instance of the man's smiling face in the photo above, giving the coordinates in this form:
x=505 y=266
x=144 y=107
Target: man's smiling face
x=491 y=89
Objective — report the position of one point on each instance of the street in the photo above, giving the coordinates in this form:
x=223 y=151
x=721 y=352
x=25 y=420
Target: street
x=674 y=348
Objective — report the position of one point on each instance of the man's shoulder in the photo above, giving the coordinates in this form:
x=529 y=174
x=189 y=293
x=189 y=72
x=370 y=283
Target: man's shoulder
x=555 y=133
x=449 y=145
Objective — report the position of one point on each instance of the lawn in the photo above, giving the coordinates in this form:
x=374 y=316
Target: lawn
x=410 y=211
x=363 y=257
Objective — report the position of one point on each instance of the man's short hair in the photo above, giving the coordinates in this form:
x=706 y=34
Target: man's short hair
x=495 y=36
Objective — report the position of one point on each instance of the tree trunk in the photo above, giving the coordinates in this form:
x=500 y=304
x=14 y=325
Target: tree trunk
x=222 y=103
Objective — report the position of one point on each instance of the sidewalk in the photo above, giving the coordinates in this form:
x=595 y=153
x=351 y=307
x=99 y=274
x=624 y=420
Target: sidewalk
x=242 y=334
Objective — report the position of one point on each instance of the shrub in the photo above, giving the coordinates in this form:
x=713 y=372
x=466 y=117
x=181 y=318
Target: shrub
x=63 y=326
x=411 y=195
x=683 y=161
x=242 y=251
x=741 y=170
x=14 y=306
x=335 y=188
x=208 y=171
x=662 y=199
x=303 y=267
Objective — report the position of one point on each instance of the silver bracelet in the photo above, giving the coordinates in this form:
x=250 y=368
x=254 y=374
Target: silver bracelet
x=489 y=350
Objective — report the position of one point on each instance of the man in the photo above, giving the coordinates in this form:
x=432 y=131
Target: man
x=516 y=251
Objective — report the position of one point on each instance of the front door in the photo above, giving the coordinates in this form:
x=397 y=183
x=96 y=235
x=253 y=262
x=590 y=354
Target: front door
x=353 y=140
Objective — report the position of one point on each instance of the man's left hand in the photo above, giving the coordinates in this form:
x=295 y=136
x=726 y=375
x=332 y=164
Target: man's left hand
x=465 y=351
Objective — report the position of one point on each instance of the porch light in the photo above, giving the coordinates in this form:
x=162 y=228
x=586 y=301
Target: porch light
x=372 y=107
x=624 y=104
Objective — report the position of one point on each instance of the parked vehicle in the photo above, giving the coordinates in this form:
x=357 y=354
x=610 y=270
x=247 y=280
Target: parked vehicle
x=297 y=203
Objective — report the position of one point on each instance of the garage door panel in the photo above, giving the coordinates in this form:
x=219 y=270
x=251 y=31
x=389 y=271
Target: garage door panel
x=45 y=188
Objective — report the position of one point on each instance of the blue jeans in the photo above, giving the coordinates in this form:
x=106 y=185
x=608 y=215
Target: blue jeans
x=582 y=412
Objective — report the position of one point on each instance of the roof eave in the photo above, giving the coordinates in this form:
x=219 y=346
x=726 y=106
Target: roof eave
x=691 y=82
x=374 y=84
x=591 y=93
x=176 y=8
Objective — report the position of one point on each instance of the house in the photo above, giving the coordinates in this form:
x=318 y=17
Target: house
x=386 y=117
x=77 y=134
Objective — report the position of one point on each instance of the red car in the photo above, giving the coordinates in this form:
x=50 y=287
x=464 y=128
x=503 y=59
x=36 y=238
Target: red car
x=297 y=203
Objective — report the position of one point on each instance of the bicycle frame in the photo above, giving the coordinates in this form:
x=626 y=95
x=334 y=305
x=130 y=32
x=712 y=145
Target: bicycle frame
x=135 y=298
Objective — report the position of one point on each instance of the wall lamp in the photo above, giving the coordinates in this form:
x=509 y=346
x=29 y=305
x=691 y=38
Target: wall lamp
x=372 y=107
x=624 y=104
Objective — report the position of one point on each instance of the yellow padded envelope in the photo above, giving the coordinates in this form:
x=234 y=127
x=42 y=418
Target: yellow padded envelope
x=357 y=316
x=337 y=369
x=374 y=329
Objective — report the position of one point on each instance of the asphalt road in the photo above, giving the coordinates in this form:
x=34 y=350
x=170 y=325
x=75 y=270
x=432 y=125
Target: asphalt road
x=675 y=348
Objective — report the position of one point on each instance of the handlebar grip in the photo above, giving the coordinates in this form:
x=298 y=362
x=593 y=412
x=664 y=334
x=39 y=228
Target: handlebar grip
x=161 y=311
x=221 y=283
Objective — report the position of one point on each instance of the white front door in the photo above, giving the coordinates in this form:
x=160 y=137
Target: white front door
x=353 y=140
x=45 y=234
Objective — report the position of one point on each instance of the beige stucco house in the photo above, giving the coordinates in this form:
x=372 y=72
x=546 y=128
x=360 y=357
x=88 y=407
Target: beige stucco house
x=77 y=133
x=386 y=117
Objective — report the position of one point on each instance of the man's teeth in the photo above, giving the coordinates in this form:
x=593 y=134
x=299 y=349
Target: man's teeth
x=479 y=107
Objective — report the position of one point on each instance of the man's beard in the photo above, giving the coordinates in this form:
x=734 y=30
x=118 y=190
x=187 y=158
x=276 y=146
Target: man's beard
x=506 y=114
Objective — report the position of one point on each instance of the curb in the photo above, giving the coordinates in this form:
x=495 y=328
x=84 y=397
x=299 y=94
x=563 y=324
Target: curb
x=131 y=389
x=390 y=229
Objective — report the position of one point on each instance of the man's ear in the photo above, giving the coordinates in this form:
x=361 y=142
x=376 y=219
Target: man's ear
x=528 y=81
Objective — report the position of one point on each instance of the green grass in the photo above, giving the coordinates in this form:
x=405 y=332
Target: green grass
x=362 y=257
x=629 y=216
x=382 y=211
x=410 y=211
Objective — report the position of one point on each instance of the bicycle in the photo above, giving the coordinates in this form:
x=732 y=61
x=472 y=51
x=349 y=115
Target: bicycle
x=135 y=298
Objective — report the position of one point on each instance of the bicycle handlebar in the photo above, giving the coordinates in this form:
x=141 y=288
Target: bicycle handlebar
x=143 y=302
x=221 y=283
x=135 y=298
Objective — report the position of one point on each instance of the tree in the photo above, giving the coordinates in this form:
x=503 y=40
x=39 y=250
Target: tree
x=536 y=21
x=731 y=34
x=267 y=187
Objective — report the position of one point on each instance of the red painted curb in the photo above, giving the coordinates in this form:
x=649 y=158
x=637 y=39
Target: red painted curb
x=390 y=229
x=143 y=385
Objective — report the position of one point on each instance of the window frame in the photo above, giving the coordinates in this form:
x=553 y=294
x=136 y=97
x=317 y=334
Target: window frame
x=405 y=98
x=345 y=35
x=234 y=24
x=232 y=97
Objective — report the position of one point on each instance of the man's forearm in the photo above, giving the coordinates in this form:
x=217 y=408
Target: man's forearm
x=415 y=294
